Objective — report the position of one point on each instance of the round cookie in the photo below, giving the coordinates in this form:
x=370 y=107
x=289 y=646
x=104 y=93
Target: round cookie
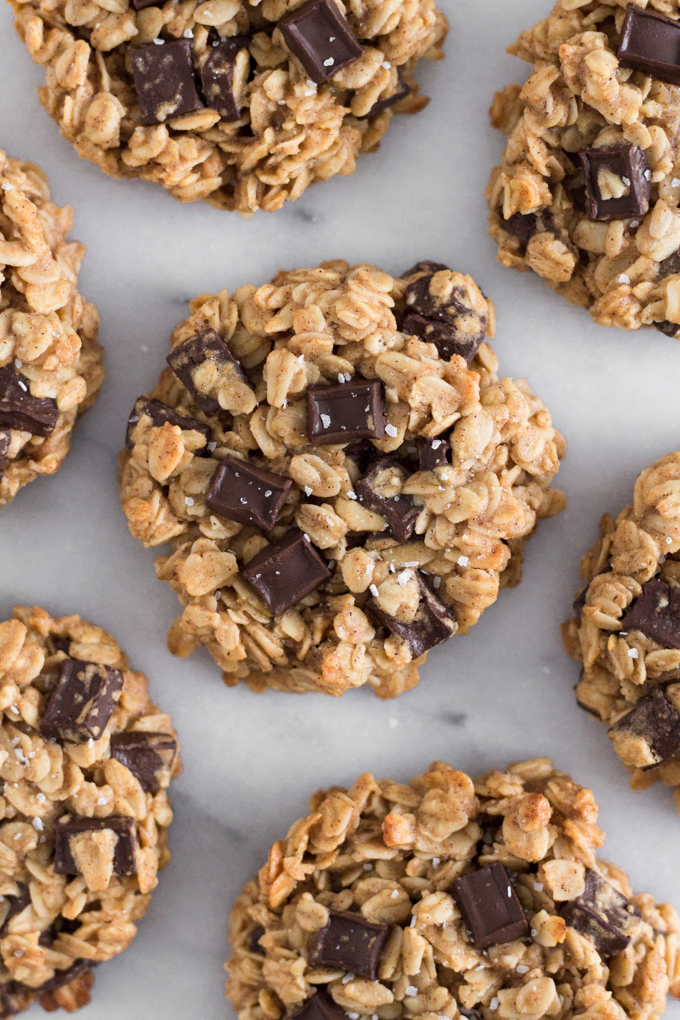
x=240 y=103
x=588 y=189
x=85 y=759
x=627 y=629
x=51 y=367
x=450 y=897
x=344 y=479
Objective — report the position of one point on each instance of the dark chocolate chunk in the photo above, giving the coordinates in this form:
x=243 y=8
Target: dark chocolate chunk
x=433 y=453
x=443 y=335
x=346 y=411
x=602 y=914
x=658 y=723
x=380 y=490
x=650 y=43
x=254 y=941
x=141 y=4
x=575 y=186
x=60 y=644
x=523 y=226
x=320 y=1007
x=286 y=571
x=148 y=756
x=669 y=328
x=14 y=905
x=69 y=826
x=350 y=942
x=490 y=907
x=186 y=357
x=159 y=413
x=363 y=453
x=580 y=600
x=21 y=411
x=656 y=613
x=670 y=266
x=223 y=74
x=164 y=80
x=626 y=162
x=64 y=977
x=401 y=91
x=321 y=39
x=247 y=494
x=5 y=440
x=433 y=623
x=82 y=702
x=426 y=266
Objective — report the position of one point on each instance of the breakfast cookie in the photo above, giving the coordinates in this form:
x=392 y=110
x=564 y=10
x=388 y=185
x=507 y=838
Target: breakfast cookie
x=344 y=479
x=242 y=103
x=85 y=758
x=51 y=366
x=627 y=629
x=588 y=191
x=450 y=898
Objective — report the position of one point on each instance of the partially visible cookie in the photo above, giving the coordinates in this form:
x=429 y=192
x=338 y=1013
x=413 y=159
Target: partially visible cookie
x=51 y=366
x=450 y=897
x=587 y=194
x=241 y=103
x=344 y=479
x=627 y=628
x=85 y=758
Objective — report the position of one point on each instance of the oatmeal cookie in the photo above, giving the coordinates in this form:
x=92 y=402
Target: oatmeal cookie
x=242 y=103
x=627 y=628
x=86 y=758
x=345 y=480
x=450 y=898
x=51 y=367
x=588 y=191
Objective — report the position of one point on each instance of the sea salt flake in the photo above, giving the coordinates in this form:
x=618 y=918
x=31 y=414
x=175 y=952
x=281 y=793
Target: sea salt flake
x=158 y=42
x=189 y=500
x=648 y=175
x=386 y=64
x=326 y=420
x=18 y=362
x=522 y=969
x=494 y=1002
x=373 y=590
x=626 y=181
x=633 y=653
x=394 y=894
x=538 y=886
x=411 y=990
x=37 y=824
x=348 y=977
x=404 y=577
x=90 y=742
x=391 y=430
x=623 y=278
x=188 y=34
x=463 y=561
x=308 y=490
x=329 y=62
x=351 y=494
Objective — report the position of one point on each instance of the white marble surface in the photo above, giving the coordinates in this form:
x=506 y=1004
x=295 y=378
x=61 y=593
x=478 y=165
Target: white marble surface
x=502 y=693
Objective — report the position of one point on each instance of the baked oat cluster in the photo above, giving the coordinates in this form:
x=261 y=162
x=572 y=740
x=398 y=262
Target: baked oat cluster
x=627 y=629
x=344 y=479
x=446 y=898
x=242 y=103
x=85 y=759
x=51 y=367
x=588 y=191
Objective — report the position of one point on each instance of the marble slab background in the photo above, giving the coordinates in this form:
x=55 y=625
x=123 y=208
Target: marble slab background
x=502 y=693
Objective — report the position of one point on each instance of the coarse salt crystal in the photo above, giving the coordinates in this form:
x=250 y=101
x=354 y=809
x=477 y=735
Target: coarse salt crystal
x=326 y=420
x=648 y=175
x=23 y=386
x=394 y=894
x=669 y=540
x=411 y=990
x=308 y=490
x=391 y=430
x=158 y=42
x=212 y=447
x=268 y=492
x=404 y=577
x=538 y=886
x=634 y=224
x=413 y=922
x=188 y=34
x=436 y=861
x=18 y=362
x=494 y=1002
x=329 y=62
x=437 y=582
x=522 y=969
x=386 y=64
x=626 y=181
x=189 y=500
x=101 y=802
x=633 y=653
x=37 y=824
x=6 y=186
x=373 y=590
x=348 y=977
x=41 y=797
x=351 y=494
x=463 y=561
x=623 y=278
x=90 y=742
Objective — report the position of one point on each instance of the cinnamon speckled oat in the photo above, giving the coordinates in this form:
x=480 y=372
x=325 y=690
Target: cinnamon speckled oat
x=394 y=861
x=51 y=367
x=85 y=759
x=344 y=478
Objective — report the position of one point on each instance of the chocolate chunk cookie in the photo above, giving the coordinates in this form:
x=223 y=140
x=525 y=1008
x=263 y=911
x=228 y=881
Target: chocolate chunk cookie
x=627 y=629
x=450 y=897
x=345 y=480
x=51 y=366
x=587 y=194
x=243 y=104
x=85 y=759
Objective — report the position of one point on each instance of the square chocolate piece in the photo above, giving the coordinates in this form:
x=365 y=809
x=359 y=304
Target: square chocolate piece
x=158 y=414
x=650 y=43
x=350 y=942
x=247 y=494
x=380 y=490
x=656 y=613
x=446 y=338
x=433 y=453
x=148 y=756
x=286 y=571
x=72 y=825
x=82 y=702
x=321 y=39
x=433 y=623
x=346 y=411
x=320 y=1007
x=621 y=170
x=223 y=75
x=164 y=80
x=186 y=357
x=490 y=907
x=657 y=722
x=13 y=905
x=602 y=914
x=20 y=410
